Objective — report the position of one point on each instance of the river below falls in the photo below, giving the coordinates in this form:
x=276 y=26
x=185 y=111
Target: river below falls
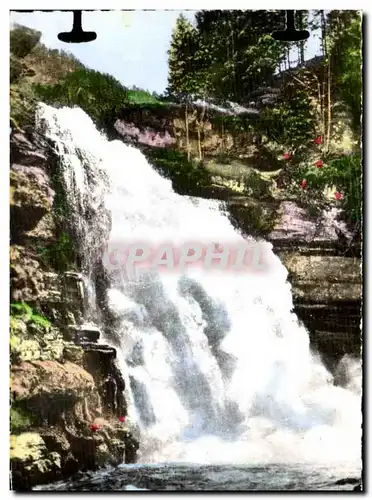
x=189 y=477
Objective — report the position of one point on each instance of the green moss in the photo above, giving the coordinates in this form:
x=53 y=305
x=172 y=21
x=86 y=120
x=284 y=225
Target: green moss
x=20 y=421
x=61 y=255
x=256 y=218
x=22 y=311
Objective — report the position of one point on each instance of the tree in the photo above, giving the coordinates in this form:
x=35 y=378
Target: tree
x=23 y=40
x=345 y=29
x=181 y=78
x=239 y=52
x=185 y=68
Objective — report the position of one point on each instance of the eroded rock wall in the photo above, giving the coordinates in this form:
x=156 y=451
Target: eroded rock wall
x=67 y=405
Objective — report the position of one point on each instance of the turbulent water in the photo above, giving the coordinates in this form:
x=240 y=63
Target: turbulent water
x=218 y=368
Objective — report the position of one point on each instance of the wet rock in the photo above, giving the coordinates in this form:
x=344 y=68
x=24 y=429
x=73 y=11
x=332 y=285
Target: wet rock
x=31 y=463
x=50 y=380
x=85 y=334
x=25 y=350
x=58 y=388
x=29 y=202
x=73 y=353
x=37 y=175
x=24 y=152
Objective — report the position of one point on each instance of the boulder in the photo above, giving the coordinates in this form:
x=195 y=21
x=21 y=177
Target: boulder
x=31 y=463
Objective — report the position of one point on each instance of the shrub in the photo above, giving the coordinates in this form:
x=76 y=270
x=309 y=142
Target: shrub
x=100 y=95
x=139 y=97
x=19 y=421
x=24 y=312
x=23 y=103
x=187 y=177
x=23 y=40
x=344 y=174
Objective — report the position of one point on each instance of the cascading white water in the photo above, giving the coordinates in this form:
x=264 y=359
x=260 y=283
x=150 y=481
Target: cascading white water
x=218 y=367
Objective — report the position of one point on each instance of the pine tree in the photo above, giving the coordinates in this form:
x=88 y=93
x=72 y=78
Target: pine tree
x=181 y=78
x=239 y=51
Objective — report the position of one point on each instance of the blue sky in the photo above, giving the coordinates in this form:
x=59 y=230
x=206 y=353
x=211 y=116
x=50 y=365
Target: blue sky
x=132 y=46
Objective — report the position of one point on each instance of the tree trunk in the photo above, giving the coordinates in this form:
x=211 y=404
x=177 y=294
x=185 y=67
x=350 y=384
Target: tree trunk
x=324 y=34
x=199 y=125
x=329 y=104
x=187 y=132
x=300 y=17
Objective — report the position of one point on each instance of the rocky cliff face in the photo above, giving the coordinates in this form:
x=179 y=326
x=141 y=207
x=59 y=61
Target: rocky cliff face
x=166 y=126
x=67 y=405
x=324 y=265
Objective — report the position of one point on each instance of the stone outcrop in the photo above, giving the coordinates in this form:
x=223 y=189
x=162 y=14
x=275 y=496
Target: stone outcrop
x=67 y=402
x=165 y=126
x=323 y=260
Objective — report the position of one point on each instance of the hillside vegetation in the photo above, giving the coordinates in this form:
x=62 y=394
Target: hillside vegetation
x=309 y=124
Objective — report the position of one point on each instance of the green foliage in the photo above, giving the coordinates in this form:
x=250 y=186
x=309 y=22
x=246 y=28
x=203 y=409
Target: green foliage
x=344 y=174
x=236 y=124
x=141 y=97
x=39 y=320
x=259 y=218
x=61 y=255
x=51 y=65
x=32 y=62
x=19 y=420
x=23 y=311
x=16 y=68
x=346 y=60
x=23 y=103
x=23 y=40
x=187 y=177
x=100 y=95
x=183 y=69
x=228 y=54
x=291 y=122
x=255 y=185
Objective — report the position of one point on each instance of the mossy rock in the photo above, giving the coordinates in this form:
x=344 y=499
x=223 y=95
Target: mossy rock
x=73 y=353
x=19 y=420
x=25 y=350
x=31 y=462
x=256 y=219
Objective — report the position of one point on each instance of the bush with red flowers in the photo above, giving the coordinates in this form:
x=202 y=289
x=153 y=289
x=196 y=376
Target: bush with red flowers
x=344 y=173
x=94 y=427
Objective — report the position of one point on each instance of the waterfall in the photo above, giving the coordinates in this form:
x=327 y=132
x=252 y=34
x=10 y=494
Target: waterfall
x=217 y=365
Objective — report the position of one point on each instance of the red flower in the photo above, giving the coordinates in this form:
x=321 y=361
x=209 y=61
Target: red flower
x=122 y=419
x=319 y=164
x=318 y=139
x=286 y=156
x=94 y=427
x=338 y=195
x=303 y=184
